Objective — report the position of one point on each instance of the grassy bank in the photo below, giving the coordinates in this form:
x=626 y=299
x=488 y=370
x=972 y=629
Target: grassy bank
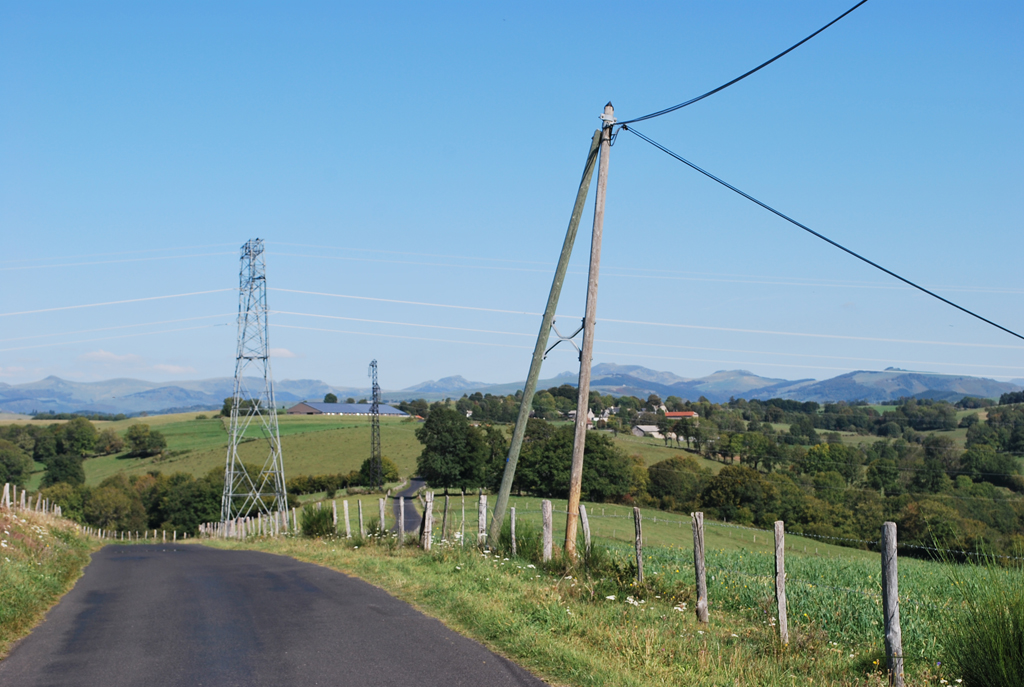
x=41 y=557
x=566 y=629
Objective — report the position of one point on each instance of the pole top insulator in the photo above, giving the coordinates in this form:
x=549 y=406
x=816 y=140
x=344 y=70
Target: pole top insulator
x=608 y=116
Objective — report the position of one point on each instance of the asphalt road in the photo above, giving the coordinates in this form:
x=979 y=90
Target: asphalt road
x=412 y=518
x=192 y=615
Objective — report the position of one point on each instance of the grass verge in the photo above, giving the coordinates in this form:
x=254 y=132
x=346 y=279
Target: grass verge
x=41 y=558
x=574 y=628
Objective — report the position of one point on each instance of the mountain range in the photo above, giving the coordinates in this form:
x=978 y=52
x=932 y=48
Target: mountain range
x=132 y=396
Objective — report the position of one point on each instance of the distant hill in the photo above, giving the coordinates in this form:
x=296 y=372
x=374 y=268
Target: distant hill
x=455 y=384
x=133 y=396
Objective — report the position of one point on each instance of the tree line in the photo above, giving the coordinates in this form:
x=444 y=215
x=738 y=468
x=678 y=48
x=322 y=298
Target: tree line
x=937 y=492
x=62 y=448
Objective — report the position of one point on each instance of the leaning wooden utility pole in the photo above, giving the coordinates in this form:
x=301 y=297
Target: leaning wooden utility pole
x=587 y=349
x=541 y=347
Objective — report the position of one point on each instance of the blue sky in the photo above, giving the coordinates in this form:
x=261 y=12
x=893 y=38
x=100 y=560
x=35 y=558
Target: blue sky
x=430 y=154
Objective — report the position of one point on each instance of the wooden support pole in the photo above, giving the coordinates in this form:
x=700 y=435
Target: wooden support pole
x=481 y=520
x=334 y=514
x=362 y=528
x=586 y=530
x=512 y=529
x=348 y=521
x=638 y=544
x=697 y=523
x=545 y=514
x=541 y=346
x=401 y=520
x=780 y=580
x=381 y=509
x=891 y=606
x=462 y=524
x=587 y=347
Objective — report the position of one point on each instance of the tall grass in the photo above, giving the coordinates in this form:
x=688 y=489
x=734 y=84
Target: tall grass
x=986 y=644
x=40 y=558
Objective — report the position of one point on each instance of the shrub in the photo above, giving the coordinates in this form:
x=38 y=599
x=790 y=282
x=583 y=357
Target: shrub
x=986 y=640
x=317 y=522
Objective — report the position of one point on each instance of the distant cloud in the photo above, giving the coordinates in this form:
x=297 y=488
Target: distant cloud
x=11 y=371
x=283 y=353
x=107 y=357
x=175 y=369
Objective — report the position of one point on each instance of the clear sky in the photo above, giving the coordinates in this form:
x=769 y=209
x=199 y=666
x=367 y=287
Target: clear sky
x=430 y=152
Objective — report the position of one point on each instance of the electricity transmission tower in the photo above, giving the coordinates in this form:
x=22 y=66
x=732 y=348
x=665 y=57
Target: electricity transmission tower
x=375 y=457
x=253 y=410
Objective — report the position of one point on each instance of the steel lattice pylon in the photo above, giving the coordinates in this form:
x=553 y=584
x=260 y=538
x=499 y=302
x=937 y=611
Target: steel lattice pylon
x=253 y=411
x=375 y=458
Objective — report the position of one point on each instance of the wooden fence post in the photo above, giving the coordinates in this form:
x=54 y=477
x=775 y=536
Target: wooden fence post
x=780 y=580
x=481 y=520
x=362 y=529
x=697 y=523
x=444 y=518
x=512 y=529
x=428 y=521
x=348 y=521
x=401 y=519
x=891 y=606
x=638 y=544
x=586 y=530
x=334 y=513
x=381 y=508
x=6 y=503
x=545 y=514
x=462 y=525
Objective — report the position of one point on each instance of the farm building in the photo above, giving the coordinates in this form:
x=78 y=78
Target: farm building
x=650 y=431
x=311 y=408
x=682 y=415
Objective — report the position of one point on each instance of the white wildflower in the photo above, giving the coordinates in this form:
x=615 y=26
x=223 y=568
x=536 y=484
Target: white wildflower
x=610 y=598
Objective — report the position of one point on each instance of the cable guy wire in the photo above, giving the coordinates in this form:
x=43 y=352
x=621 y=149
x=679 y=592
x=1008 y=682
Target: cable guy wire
x=742 y=76
x=820 y=236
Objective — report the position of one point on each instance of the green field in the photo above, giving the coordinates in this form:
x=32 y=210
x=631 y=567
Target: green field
x=310 y=445
x=654 y=450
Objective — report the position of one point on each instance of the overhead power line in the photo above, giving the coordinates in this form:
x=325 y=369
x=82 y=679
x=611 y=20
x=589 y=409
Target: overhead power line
x=110 y=262
x=109 y=338
x=402 y=302
x=629 y=273
x=820 y=236
x=739 y=78
x=121 y=326
x=124 y=252
x=790 y=280
x=656 y=324
x=129 y=300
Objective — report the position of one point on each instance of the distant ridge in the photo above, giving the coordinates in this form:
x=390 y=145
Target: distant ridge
x=132 y=396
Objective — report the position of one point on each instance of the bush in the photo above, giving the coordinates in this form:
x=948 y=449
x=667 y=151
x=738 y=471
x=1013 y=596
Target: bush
x=317 y=522
x=986 y=640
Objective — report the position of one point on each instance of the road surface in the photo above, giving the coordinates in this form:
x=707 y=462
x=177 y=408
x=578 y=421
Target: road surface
x=412 y=518
x=191 y=615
